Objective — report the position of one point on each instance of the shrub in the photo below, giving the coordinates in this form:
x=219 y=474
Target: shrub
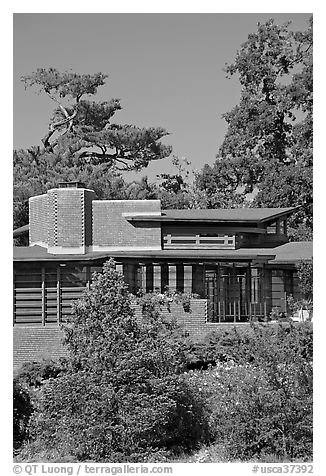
x=27 y=380
x=22 y=410
x=154 y=301
x=250 y=343
x=305 y=275
x=84 y=415
x=33 y=374
x=260 y=400
x=296 y=305
x=122 y=397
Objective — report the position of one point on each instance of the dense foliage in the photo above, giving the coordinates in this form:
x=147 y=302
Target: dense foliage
x=123 y=397
x=27 y=381
x=33 y=374
x=305 y=275
x=250 y=344
x=259 y=393
x=252 y=400
x=267 y=148
x=22 y=410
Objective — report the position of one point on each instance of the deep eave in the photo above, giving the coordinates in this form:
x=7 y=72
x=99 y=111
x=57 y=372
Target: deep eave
x=288 y=253
x=224 y=216
x=38 y=253
x=233 y=215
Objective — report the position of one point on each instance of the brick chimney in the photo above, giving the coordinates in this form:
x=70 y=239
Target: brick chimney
x=61 y=219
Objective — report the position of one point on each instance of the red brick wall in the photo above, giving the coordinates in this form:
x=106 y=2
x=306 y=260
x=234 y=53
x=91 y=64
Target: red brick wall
x=35 y=343
x=194 y=322
x=70 y=217
x=38 y=219
x=111 y=229
x=52 y=218
x=62 y=217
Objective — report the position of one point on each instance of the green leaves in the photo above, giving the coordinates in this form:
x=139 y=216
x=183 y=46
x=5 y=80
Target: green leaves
x=305 y=275
x=121 y=398
x=81 y=129
x=22 y=410
x=287 y=186
x=268 y=144
x=259 y=393
x=64 y=84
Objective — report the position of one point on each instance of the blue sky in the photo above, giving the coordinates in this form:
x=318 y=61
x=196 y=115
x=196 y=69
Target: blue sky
x=167 y=69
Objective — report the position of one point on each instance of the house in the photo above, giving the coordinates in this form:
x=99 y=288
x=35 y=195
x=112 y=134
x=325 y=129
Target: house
x=237 y=262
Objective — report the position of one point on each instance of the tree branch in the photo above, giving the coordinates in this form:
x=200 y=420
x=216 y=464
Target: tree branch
x=53 y=127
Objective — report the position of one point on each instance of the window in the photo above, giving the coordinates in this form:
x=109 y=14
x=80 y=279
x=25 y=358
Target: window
x=179 y=239
x=73 y=276
x=28 y=280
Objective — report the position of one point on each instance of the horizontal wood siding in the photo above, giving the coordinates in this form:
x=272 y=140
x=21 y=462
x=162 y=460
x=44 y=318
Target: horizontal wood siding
x=278 y=290
x=68 y=296
x=296 y=289
x=28 y=305
x=51 y=305
x=40 y=306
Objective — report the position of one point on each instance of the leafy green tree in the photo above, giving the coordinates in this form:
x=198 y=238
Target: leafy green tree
x=141 y=190
x=288 y=186
x=267 y=148
x=216 y=189
x=174 y=189
x=123 y=397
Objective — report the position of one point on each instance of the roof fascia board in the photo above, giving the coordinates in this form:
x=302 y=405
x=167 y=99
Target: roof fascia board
x=280 y=214
x=150 y=255
x=142 y=217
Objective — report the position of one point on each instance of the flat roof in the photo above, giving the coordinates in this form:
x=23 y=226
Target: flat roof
x=224 y=215
x=283 y=254
x=293 y=252
x=220 y=215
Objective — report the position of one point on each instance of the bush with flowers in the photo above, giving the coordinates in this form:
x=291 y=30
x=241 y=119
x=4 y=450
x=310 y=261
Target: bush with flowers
x=261 y=402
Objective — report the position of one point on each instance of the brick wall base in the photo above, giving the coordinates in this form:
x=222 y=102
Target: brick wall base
x=34 y=343
x=193 y=322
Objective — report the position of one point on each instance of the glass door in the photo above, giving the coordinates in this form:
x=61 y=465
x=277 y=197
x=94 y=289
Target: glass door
x=228 y=292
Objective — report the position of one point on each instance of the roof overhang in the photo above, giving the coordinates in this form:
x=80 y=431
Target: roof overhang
x=39 y=254
x=199 y=216
x=286 y=254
